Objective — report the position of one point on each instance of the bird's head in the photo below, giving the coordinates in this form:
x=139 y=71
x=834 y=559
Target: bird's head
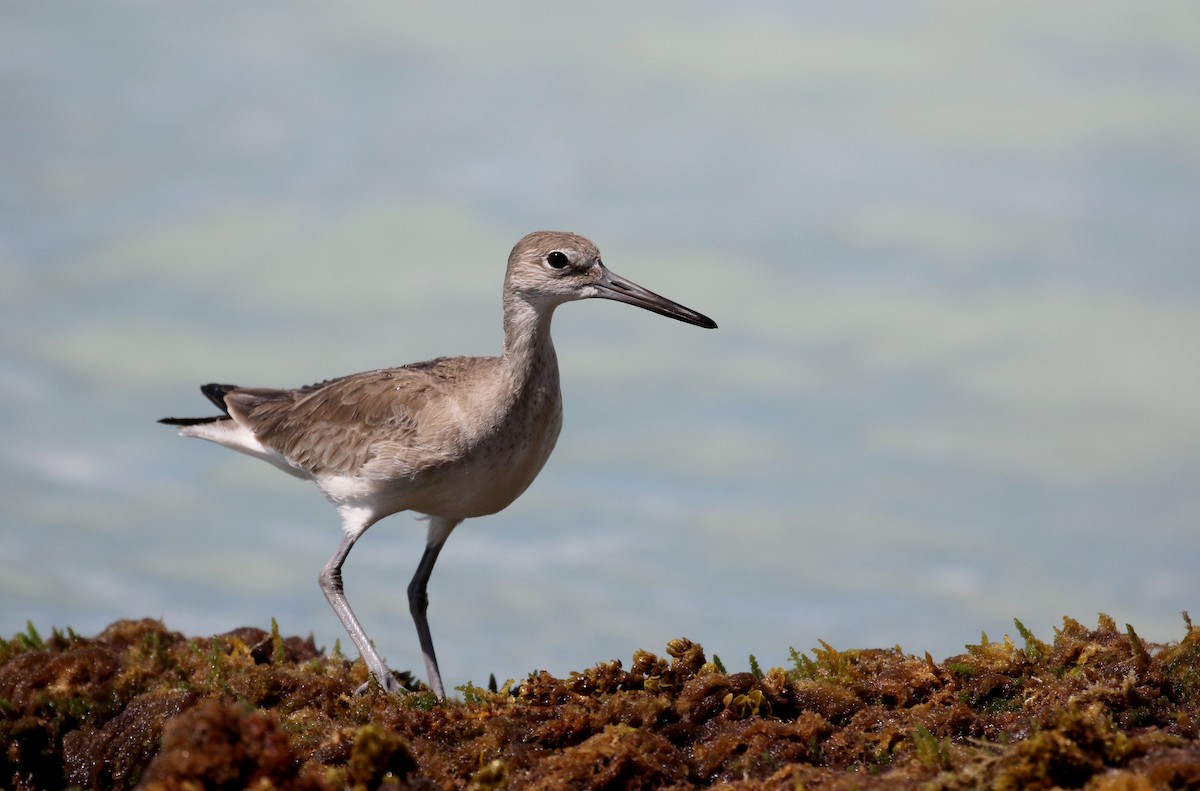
x=548 y=268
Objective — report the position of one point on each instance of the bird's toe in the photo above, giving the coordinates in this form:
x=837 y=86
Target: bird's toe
x=386 y=682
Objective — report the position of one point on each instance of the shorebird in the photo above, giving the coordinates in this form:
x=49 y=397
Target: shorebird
x=450 y=438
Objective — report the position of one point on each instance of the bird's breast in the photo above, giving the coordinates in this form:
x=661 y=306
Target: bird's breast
x=501 y=442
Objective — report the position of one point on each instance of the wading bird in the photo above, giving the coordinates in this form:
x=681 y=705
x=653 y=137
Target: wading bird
x=450 y=438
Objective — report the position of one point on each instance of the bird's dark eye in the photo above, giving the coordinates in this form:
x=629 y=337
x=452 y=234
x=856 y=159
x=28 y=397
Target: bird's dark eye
x=557 y=260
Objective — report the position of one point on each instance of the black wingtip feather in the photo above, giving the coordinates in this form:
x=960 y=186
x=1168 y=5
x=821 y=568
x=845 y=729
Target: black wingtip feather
x=190 y=421
x=216 y=393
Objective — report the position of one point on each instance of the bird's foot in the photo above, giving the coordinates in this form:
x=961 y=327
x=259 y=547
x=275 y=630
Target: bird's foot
x=387 y=681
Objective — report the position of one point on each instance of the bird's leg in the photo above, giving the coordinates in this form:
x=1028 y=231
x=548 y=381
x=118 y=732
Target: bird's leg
x=331 y=585
x=418 y=598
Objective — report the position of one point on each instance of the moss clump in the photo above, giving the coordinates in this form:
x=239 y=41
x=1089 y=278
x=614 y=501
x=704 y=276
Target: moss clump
x=139 y=705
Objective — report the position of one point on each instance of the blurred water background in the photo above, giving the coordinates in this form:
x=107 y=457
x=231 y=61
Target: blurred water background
x=952 y=248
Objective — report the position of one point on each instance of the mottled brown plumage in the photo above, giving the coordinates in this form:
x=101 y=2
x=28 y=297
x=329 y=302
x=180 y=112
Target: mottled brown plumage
x=451 y=438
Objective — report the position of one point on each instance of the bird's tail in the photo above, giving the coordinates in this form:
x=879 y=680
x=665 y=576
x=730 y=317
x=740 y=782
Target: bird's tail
x=215 y=393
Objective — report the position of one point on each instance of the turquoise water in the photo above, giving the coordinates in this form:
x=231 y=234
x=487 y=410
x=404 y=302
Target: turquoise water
x=952 y=251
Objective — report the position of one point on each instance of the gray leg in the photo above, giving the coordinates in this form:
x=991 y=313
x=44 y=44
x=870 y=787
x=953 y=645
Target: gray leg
x=331 y=585
x=418 y=598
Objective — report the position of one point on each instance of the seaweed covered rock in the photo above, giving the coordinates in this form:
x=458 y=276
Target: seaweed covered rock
x=140 y=706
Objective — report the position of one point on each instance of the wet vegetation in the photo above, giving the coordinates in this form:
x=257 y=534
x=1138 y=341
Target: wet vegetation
x=141 y=706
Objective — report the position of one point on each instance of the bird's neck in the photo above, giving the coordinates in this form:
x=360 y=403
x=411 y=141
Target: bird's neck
x=528 y=350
